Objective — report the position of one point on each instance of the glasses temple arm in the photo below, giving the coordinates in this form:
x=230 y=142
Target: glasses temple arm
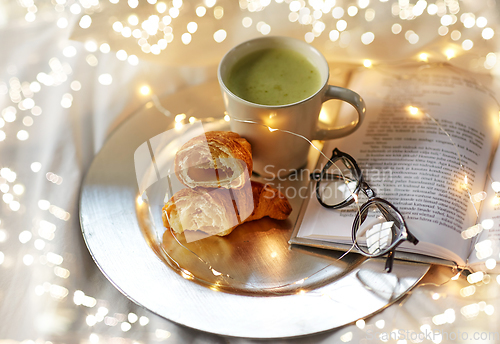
x=411 y=238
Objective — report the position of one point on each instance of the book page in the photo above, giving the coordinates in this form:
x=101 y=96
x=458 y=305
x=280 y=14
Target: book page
x=486 y=235
x=408 y=159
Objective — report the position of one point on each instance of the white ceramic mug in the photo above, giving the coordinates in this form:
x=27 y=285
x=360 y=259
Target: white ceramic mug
x=276 y=153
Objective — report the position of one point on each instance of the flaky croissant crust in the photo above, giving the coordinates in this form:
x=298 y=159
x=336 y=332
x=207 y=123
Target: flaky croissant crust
x=268 y=201
x=216 y=152
x=215 y=212
x=208 y=210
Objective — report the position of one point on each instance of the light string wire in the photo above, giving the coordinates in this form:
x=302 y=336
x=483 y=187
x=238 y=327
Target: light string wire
x=163 y=110
x=158 y=106
x=328 y=160
x=466 y=188
x=303 y=279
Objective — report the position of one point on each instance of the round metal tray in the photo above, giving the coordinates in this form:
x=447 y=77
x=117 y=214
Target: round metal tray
x=263 y=288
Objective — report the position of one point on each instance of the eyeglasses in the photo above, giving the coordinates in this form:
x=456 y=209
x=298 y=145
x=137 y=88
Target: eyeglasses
x=378 y=228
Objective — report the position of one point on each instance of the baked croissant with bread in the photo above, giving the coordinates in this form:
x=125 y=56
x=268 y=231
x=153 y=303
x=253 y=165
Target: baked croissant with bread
x=219 y=211
x=217 y=159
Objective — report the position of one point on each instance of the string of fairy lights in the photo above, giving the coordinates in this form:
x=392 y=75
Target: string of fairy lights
x=483 y=249
x=447 y=317
x=154 y=29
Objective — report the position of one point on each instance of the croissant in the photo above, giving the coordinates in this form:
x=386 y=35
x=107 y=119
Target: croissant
x=268 y=201
x=220 y=211
x=217 y=159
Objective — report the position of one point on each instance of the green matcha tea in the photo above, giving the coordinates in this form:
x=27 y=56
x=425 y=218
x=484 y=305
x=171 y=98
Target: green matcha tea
x=274 y=77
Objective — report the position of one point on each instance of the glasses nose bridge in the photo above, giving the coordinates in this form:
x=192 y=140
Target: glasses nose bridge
x=367 y=190
x=344 y=167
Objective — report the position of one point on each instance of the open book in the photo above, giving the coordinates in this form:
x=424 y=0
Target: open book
x=409 y=160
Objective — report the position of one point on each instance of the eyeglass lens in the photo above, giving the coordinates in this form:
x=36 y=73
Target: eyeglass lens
x=338 y=182
x=381 y=225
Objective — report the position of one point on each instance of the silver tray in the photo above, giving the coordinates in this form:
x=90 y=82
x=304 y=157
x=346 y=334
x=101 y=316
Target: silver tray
x=262 y=288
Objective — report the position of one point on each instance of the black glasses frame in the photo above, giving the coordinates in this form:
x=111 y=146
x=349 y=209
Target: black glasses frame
x=382 y=204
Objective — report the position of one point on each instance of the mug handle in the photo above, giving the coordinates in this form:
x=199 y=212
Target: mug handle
x=335 y=92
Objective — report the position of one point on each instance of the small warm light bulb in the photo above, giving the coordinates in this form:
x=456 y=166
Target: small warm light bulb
x=323 y=116
x=413 y=110
x=227 y=118
x=180 y=117
x=465 y=184
x=139 y=200
x=145 y=90
x=178 y=125
x=496 y=200
x=424 y=57
x=367 y=63
x=450 y=53
x=495 y=186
